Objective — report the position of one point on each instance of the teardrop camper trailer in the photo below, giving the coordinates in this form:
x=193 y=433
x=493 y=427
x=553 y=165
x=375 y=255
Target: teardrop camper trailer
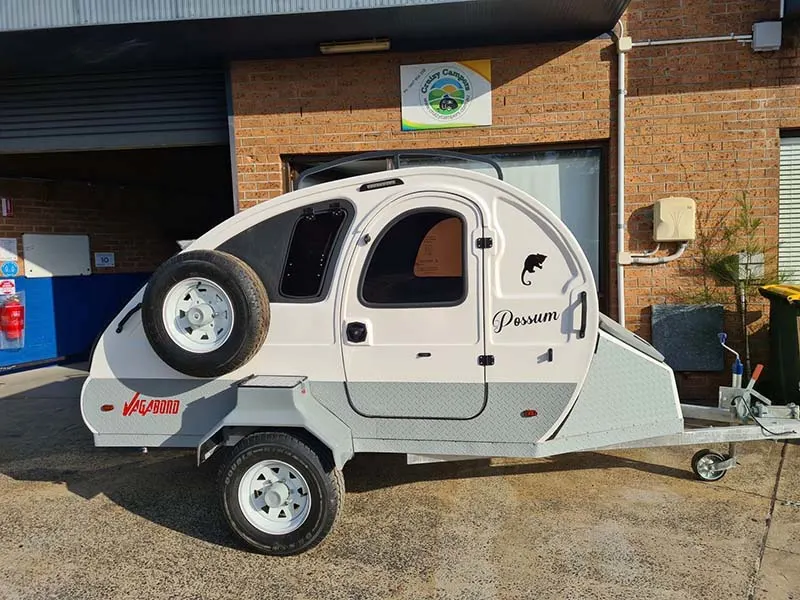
x=435 y=312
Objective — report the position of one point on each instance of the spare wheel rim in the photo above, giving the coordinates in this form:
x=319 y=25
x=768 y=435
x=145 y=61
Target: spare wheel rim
x=274 y=497
x=198 y=315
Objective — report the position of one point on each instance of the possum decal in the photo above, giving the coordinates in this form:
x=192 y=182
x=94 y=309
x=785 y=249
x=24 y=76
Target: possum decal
x=533 y=262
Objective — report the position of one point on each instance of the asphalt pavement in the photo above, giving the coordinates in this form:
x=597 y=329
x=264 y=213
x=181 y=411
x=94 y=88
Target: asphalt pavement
x=84 y=523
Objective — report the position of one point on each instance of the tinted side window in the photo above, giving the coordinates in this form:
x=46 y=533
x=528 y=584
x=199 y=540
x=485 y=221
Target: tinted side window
x=417 y=261
x=289 y=244
x=309 y=253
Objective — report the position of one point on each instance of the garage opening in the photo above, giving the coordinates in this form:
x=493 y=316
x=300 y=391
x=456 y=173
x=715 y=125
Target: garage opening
x=101 y=176
x=85 y=230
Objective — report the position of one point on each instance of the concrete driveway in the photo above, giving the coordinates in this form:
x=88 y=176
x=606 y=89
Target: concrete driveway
x=84 y=523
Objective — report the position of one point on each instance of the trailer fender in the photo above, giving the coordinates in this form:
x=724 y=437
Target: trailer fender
x=274 y=408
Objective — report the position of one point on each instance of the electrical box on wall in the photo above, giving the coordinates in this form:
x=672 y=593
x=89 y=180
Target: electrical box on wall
x=751 y=266
x=767 y=36
x=674 y=220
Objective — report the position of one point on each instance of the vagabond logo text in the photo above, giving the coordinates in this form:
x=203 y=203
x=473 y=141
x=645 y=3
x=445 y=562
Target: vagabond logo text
x=154 y=406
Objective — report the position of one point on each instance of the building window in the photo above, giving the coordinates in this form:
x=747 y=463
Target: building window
x=417 y=261
x=565 y=181
x=789 y=211
x=568 y=181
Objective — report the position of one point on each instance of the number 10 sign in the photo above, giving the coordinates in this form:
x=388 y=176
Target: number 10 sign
x=103 y=260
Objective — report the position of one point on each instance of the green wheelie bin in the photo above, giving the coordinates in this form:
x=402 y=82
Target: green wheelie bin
x=783 y=370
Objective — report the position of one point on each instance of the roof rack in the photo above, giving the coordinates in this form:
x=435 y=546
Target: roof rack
x=395 y=156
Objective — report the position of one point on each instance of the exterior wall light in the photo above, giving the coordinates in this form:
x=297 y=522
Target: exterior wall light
x=355 y=46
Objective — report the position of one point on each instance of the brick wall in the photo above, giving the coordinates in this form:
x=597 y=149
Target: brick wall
x=542 y=94
x=702 y=120
x=115 y=220
x=134 y=203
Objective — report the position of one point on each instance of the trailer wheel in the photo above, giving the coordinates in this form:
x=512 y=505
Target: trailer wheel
x=278 y=496
x=704 y=463
x=205 y=313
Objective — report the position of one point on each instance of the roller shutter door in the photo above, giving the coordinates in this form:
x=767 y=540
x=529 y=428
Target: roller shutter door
x=113 y=111
x=789 y=212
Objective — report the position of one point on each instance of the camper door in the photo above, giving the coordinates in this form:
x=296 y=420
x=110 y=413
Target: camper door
x=542 y=310
x=413 y=326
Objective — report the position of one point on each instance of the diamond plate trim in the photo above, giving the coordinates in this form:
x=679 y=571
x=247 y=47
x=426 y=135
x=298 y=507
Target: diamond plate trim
x=623 y=390
x=417 y=400
x=500 y=421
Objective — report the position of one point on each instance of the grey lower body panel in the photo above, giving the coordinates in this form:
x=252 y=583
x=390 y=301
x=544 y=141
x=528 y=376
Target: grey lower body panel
x=500 y=421
x=627 y=396
x=202 y=404
x=589 y=441
x=160 y=412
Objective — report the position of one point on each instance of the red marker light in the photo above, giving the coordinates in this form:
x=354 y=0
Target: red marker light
x=529 y=413
x=107 y=408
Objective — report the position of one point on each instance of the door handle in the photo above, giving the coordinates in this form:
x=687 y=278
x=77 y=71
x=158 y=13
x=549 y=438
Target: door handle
x=356 y=332
x=584 y=310
x=423 y=354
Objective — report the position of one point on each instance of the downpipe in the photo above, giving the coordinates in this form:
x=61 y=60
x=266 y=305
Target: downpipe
x=624 y=45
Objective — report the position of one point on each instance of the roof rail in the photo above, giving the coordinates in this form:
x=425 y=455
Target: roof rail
x=395 y=156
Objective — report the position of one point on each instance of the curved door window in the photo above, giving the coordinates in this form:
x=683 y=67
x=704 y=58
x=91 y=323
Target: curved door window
x=418 y=261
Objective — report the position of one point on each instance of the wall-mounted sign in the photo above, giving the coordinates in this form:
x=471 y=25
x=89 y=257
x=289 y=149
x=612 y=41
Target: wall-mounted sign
x=104 y=260
x=56 y=255
x=444 y=95
x=8 y=250
x=8 y=287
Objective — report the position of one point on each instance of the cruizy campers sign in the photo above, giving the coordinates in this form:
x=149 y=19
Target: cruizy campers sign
x=442 y=95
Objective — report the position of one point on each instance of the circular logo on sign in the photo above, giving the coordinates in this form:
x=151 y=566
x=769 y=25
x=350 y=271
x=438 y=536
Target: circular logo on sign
x=9 y=269
x=446 y=94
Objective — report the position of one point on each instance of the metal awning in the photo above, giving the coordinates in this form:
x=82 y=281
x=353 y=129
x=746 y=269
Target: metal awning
x=46 y=36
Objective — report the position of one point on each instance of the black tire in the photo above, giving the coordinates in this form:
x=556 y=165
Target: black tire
x=715 y=457
x=249 y=302
x=326 y=488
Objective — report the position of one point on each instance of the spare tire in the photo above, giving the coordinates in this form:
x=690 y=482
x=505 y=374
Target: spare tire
x=205 y=313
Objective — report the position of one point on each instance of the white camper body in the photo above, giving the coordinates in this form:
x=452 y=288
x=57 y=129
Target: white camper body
x=432 y=311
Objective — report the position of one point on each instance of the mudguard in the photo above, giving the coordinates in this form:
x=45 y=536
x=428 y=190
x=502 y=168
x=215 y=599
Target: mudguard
x=270 y=401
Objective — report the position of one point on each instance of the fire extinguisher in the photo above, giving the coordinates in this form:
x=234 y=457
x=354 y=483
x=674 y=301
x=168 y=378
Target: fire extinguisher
x=12 y=318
